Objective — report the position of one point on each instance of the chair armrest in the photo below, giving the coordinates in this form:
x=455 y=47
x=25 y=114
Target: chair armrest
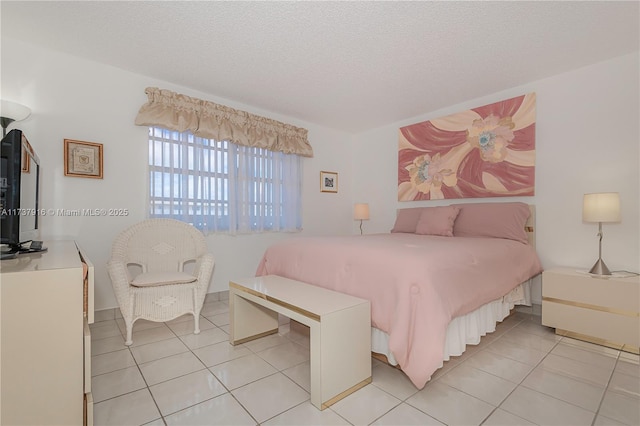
x=119 y=275
x=204 y=267
x=203 y=270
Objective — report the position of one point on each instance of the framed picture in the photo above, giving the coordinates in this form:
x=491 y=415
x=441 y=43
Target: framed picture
x=488 y=151
x=328 y=182
x=82 y=159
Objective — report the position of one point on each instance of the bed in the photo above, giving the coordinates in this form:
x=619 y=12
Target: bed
x=439 y=280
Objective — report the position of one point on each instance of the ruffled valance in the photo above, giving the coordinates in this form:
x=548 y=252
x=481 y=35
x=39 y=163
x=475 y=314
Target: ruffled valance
x=182 y=113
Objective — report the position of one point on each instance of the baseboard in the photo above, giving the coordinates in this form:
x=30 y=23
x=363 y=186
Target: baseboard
x=534 y=309
x=299 y=328
x=216 y=296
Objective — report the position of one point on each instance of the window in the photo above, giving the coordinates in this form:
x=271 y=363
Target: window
x=218 y=186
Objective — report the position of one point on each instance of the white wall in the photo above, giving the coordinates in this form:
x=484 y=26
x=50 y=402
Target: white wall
x=72 y=98
x=587 y=140
x=587 y=135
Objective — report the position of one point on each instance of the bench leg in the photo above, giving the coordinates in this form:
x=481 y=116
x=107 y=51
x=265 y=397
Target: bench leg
x=248 y=320
x=340 y=355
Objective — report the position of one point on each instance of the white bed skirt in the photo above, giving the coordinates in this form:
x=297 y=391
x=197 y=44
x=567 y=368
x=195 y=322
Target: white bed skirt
x=467 y=329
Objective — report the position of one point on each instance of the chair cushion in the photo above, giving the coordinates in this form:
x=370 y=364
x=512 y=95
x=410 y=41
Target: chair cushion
x=150 y=279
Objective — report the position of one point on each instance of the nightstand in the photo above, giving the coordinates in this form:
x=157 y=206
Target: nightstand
x=598 y=310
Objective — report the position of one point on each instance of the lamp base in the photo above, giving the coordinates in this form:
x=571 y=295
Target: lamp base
x=4 y=122
x=600 y=268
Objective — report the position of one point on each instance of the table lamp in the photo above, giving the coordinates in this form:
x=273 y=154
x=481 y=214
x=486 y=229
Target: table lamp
x=601 y=207
x=361 y=212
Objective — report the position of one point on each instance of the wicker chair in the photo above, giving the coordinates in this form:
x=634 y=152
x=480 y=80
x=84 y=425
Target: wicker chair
x=148 y=274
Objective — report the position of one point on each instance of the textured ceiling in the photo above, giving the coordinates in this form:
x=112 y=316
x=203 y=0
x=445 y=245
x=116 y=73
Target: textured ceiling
x=345 y=65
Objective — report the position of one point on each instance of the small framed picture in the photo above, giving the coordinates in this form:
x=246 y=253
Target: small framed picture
x=328 y=182
x=82 y=159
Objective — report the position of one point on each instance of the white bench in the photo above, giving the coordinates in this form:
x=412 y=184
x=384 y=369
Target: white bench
x=340 y=329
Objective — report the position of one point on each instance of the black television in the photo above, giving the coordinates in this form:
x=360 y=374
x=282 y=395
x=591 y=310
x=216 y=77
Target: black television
x=19 y=196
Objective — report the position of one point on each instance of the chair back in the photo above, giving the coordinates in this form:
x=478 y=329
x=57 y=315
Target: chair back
x=159 y=245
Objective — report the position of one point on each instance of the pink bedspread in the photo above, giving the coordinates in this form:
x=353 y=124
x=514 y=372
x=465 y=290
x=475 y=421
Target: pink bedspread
x=416 y=283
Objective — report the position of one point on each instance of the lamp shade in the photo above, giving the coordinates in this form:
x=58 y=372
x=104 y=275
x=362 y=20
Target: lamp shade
x=601 y=207
x=361 y=211
x=13 y=110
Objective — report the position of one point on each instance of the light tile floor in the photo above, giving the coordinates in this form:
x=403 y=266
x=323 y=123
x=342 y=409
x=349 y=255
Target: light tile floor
x=523 y=374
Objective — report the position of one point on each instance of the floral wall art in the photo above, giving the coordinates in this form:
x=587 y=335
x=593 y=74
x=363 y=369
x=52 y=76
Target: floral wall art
x=483 y=152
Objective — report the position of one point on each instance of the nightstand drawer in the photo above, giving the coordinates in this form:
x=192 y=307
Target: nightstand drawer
x=620 y=294
x=613 y=328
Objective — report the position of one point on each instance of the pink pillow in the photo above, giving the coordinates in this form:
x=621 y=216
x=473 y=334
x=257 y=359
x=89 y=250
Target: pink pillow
x=437 y=221
x=497 y=220
x=407 y=220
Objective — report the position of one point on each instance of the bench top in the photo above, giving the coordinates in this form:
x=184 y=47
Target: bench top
x=286 y=292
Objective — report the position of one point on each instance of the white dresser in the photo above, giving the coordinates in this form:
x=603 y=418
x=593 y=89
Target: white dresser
x=46 y=304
